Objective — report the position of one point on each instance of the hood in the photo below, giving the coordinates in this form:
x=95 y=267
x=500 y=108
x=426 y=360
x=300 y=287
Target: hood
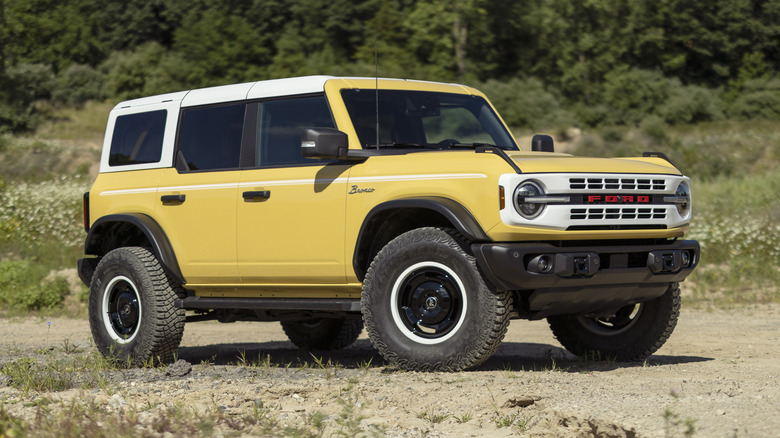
x=546 y=162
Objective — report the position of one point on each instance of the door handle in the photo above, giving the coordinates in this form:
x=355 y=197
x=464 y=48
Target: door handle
x=256 y=195
x=173 y=199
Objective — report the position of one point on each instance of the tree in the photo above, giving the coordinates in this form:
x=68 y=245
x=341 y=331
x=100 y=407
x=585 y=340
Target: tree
x=220 y=48
x=52 y=32
x=440 y=33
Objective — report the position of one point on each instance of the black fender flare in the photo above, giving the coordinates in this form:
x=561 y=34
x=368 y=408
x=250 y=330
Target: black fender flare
x=158 y=240
x=460 y=218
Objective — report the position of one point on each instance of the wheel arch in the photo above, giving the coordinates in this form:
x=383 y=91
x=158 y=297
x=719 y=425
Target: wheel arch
x=131 y=229
x=388 y=220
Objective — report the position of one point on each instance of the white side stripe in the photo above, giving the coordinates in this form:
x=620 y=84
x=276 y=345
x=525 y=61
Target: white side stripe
x=292 y=182
x=128 y=191
x=296 y=182
x=418 y=177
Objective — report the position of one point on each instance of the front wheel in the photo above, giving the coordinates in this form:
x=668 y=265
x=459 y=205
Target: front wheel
x=131 y=311
x=426 y=306
x=633 y=333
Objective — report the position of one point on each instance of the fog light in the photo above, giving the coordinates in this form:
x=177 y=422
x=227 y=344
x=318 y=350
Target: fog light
x=686 y=259
x=541 y=264
x=544 y=263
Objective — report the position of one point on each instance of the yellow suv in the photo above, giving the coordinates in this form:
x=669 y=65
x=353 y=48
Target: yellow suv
x=332 y=203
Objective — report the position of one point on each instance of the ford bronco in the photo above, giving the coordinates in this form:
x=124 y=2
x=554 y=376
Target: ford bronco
x=403 y=207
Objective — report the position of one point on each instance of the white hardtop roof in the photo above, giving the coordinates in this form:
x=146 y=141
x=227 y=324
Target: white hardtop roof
x=248 y=90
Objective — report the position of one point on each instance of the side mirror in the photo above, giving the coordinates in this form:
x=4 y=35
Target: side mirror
x=542 y=143
x=326 y=143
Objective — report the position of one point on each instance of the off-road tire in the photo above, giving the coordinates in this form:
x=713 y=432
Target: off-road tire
x=131 y=311
x=633 y=339
x=323 y=334
x=428 y=275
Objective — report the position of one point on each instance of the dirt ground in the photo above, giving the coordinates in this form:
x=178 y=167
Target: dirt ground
x=717 y=376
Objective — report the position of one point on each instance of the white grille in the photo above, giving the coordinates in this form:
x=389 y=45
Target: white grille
x=616 y=204
x=617 y=213
x=639 y=184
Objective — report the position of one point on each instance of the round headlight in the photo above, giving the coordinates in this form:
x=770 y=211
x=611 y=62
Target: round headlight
x=683 y=191
x=524 y=199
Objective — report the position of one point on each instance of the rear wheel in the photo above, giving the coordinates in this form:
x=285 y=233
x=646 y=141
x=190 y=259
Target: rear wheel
x=633 y=333
x=323 y=334
x=426 y=306
x=131 y=310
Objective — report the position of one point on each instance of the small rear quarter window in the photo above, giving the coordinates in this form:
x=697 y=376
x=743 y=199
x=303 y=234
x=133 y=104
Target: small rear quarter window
x=137 y=138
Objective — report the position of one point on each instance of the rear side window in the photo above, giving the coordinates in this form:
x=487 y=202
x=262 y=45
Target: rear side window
x=137 y=138
x=210 y=138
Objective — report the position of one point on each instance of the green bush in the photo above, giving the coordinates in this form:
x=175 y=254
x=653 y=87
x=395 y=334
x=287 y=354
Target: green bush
x=633 y=94
x=654 y=127
x=525 y=103
x=592 y=115
x=758 y=99
x=78 y=84
x=23 y=285
x=48 y=295
x=33 y=81
x=691 y=104
x=127 y=74
x=20 y=87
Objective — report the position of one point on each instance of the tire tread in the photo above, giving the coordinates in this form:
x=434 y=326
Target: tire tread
x=569 y=333
x=498 y=307
x=162 y=337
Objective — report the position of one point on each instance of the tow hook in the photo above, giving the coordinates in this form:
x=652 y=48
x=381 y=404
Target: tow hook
x=670 y=261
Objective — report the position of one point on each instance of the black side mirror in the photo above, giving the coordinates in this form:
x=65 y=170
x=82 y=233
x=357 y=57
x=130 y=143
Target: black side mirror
x=542 y=143
x=326 y=143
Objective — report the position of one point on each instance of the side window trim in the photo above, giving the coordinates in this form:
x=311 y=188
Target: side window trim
x=171 y=127
x=138 y=138
x=249 y=140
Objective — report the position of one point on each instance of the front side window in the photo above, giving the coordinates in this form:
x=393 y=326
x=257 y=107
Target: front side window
x=280 y=125
x=424 y=118
x=210 y=138
x=137 y=138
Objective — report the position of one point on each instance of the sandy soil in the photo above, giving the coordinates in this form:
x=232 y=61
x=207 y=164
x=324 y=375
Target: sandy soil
x=718 y=372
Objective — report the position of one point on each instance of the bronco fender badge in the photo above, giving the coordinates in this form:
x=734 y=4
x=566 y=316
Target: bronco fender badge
x=356 y=189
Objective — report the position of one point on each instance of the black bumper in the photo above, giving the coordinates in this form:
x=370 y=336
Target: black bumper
x=576 y=280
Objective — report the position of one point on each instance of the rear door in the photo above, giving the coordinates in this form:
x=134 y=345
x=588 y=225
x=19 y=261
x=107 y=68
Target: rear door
x=196 y=200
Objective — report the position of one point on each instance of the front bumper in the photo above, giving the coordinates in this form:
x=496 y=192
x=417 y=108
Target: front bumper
x=587 y=279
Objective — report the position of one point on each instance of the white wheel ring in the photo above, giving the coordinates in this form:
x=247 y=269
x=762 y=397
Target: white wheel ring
x=398 y=320
x=104 y=306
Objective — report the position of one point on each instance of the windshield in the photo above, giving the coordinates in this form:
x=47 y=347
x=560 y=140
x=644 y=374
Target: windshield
x=425 y=119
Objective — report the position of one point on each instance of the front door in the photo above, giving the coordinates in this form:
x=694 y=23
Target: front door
x=291 y=209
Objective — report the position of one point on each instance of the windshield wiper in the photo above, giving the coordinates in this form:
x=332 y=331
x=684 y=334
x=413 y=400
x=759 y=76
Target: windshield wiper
x=474 y=145
x=399 y=144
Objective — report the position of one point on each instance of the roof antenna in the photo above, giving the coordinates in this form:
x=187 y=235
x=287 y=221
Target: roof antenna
x=376 y=87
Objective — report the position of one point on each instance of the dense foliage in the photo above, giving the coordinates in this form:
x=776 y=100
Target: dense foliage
x=547 y=63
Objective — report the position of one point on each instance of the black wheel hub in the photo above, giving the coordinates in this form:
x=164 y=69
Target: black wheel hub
x=429 y=302
x=123 y=309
